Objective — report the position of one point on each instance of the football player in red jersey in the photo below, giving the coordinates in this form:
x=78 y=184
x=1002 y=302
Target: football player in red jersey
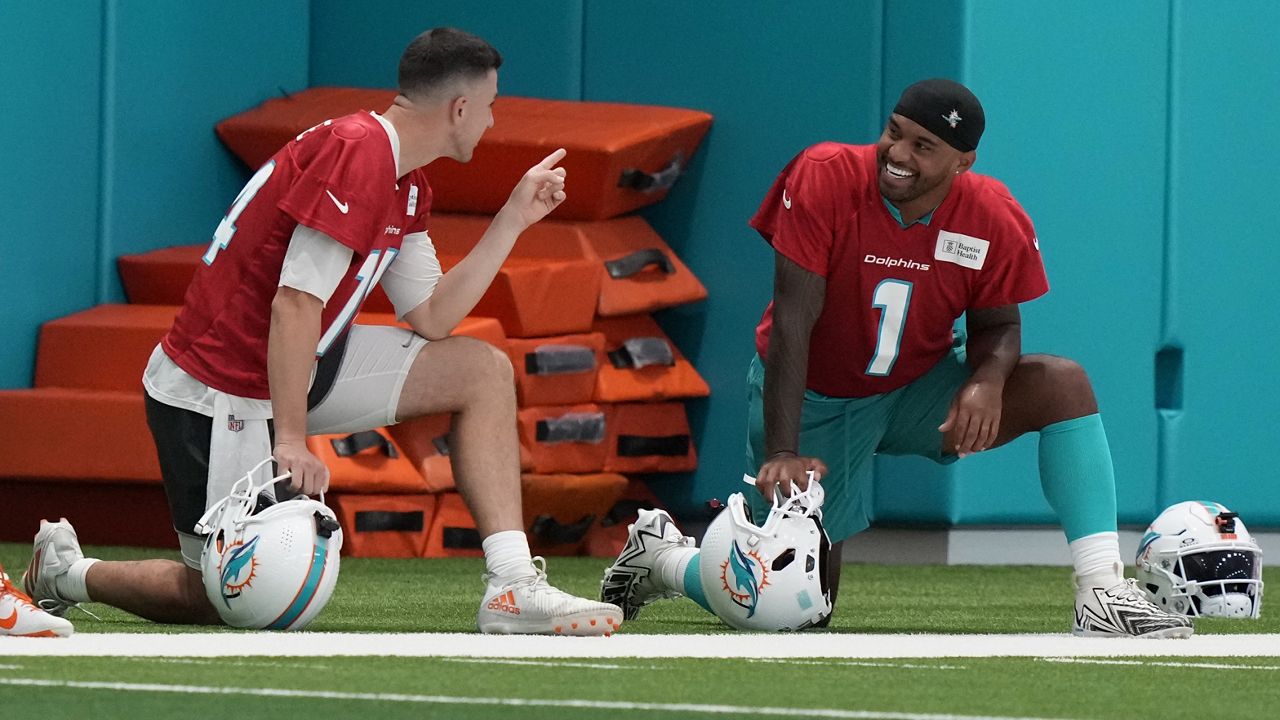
x=264 y=352
x=879 y=249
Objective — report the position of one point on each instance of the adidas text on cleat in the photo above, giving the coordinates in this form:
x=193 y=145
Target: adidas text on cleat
x=1123 y=611
x=20 y=617
x=531 y=606
x=632 y=581
x=55 y=550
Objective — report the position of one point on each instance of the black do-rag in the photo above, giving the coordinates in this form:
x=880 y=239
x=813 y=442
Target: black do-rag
x=946 y=109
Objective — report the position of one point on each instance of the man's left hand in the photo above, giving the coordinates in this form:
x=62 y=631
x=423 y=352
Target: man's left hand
x=973 y=422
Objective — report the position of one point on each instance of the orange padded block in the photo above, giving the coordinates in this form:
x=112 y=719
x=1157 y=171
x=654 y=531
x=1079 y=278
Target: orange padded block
x=565 y=438
x=102 y=348
x=480 y=328
x=159 y=277
x=556 y=370
x=95 y=507
x=255 y=135
x=425 y=441
x=620 y=156
x=607 y=537
x=366 y=462
x=649 y=437
x=558 y=511
x=107 y=347
x=453 y=530
x=60 y=433
x=389 y=526
x=641 y=273
x=545 y=287
x=624 y=377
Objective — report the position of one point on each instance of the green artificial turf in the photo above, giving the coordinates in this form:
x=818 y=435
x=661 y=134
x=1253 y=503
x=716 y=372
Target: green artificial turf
x=442 y=595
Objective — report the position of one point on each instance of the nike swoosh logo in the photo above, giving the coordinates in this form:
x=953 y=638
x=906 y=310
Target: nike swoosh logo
x=341 y=205
x=9 y=622
x=786 y=200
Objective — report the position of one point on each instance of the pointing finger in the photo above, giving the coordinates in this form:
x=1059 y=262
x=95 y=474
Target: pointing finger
x=550 y=161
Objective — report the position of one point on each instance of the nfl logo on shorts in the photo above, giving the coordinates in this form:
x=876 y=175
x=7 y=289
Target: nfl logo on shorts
x=234 y=425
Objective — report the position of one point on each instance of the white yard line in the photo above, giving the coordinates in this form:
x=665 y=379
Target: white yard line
x=547 y=663
x=602 y=705
x=735 y=645
x=829 y=662
x=1151 y=663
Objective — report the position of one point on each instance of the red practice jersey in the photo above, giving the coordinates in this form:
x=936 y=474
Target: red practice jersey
x=893 y=293
x=339 y=178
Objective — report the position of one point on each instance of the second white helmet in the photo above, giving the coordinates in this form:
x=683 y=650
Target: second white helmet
x=1197 y=558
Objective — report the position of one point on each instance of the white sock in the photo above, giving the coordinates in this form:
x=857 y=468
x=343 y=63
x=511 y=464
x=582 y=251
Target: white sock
x=71 y=585
x=671 y=566
x=506 y=556
x=1097 y=559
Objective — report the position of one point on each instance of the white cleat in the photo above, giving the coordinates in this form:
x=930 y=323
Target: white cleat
x=20 y=617
x=531 y=606
x=1122 y=610
x=632 y=581
x=56 y=549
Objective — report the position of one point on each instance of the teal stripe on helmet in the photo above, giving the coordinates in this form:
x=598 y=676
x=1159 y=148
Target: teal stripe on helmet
x=1147 y=539
x=1213 y=507
x=319 y=553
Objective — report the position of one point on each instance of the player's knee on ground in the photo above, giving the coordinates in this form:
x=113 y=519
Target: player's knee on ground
x=195 y=600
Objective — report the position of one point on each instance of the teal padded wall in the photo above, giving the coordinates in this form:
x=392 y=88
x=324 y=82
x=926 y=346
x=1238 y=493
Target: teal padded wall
x=359 y=44
x=169 y=77
x=1076 y=129
x=1223 y=297
x=777 y=77
x=49 y=119
x=114 y=105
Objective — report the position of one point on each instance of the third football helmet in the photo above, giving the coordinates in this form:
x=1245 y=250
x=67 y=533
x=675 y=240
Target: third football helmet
x=771 y=576
x=1197 y=558
x=269 y=564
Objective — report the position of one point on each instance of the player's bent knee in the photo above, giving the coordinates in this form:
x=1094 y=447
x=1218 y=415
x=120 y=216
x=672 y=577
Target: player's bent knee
x=1061 y=387
x=482 y=361
x=499 y=367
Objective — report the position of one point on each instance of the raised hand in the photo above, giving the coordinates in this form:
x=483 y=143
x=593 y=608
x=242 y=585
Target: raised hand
x=540 y=191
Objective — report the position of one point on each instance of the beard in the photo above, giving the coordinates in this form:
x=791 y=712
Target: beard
x=906 y=191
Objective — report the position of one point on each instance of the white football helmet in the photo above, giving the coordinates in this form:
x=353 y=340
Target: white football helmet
x=772 y=576
x=269 y=564
x=1197 y=558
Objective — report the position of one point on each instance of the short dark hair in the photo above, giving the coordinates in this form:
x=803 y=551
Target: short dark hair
x=441 y=55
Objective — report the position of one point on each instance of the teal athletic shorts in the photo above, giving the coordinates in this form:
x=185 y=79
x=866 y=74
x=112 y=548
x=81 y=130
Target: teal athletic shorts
x=846 y=433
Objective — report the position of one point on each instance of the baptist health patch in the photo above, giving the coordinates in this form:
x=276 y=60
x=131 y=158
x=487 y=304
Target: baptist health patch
x=970 y=252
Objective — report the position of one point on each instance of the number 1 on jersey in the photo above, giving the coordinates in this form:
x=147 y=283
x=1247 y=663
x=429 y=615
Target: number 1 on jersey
x=892 y=297
x=227 y=228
